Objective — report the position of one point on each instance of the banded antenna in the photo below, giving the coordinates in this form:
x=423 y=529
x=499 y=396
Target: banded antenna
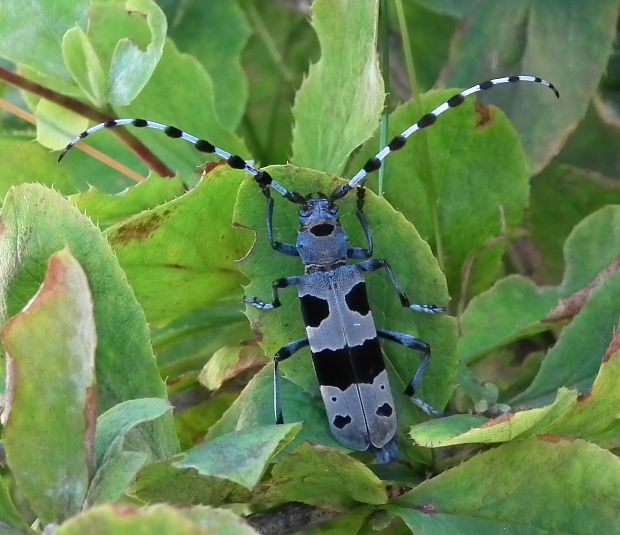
x=262 y=178
x=374 y=163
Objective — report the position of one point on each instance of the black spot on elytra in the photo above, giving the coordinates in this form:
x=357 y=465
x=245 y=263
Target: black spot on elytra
x=341 y=421
x=314 y=310
x=357 y=300
x=385 y=410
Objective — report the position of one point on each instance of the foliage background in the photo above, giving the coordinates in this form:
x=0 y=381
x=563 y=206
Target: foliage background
x=120 y=301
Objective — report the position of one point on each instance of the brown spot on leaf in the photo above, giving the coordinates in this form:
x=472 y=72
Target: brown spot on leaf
x=427 y=508
x=554 y=438
x=210 y=166
x=138 y=229
x=90 y=418
x=570 y=306
x=614 y=345
x=484 y=115
x=499 y=420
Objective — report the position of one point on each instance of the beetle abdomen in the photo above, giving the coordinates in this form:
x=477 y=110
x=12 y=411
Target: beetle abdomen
x=347 y=358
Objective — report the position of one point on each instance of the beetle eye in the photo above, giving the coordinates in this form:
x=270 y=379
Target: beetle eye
x=333 y=209
x=305 y=211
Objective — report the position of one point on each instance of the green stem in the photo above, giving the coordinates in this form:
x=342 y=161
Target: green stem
x=270 y=46
x=429 y=183
x=385 y=67
x=404 y=35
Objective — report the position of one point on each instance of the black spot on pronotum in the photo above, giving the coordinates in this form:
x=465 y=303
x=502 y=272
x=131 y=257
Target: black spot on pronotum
x=203 y=145
x=341 y=421
x=513 y=78
x=314 y=310
x=456 y=100
x=427 y=120
x=372 y=165
x=334 y=398
x=322 y=230
x=173 y=132
x=397 y=143
x=357 y=300
x=236 y=162
x=140 y=123
x=486 y=85
x=385 y=410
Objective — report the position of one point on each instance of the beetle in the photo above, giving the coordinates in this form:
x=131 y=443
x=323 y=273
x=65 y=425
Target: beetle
x=341 y=333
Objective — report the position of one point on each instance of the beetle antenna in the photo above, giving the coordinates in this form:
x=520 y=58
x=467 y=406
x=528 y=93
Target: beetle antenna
x=262 y=178
x=427 y=120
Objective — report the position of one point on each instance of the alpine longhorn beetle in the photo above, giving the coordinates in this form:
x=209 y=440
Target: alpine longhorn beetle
x=341 y=333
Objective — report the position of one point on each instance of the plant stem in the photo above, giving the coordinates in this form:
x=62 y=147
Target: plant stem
x=385 y=64
x=132 y=142
x=98 y=155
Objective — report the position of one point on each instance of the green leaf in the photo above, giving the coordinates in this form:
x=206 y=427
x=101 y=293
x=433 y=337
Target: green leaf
x=467 y=429
x=210 y=472
x=349 y=524
x=327 y=130
x=107 y=209
x=218 y=521
x=189 y=104
x=219 y=50
x=576 y=357
x=323 y=477
x=37 y=222
x=201 y=264
x=131 y=68
x=594 y=416
x=254 y=406
x=510 y=310
x=84 y=65
x=55 y=124
x=51 y=405
x=542 y=123
x=11 y=522
x=515 y=307
x=187 y=343
x=16 y=149
x=459 y=183
x=119 y=420
x=164 y=482
x=229 y=361
x=523 y=497
x=581 y=191
x=277 y=57
x=240 y=457
x=114 y=477
x=31 y=33
x=130 y=520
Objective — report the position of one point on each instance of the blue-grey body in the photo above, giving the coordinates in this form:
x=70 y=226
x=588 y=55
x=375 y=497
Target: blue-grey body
x=341 y=333
x=347 y=358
